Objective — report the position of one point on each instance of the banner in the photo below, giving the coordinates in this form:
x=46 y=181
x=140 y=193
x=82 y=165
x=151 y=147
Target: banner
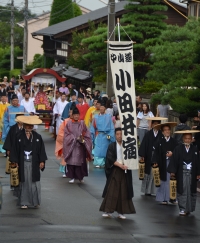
x=121 y=61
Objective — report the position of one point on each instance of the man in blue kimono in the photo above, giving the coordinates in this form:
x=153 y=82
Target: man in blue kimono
x=102 y=130
x=9 y=115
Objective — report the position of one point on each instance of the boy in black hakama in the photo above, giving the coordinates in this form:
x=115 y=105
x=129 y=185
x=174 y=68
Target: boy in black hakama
x=185 y=166
x=161 y=158
x=146 y=152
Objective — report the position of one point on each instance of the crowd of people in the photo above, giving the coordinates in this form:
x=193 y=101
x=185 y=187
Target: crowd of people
x=88 y=128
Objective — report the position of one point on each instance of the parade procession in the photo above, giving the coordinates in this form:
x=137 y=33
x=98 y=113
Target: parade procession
x=106 y=155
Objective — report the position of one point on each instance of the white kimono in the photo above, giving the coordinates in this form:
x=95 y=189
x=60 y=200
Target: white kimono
x=58 y=109
x=29 y=105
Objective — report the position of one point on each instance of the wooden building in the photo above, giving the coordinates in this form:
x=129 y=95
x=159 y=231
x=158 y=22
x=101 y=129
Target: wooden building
x=57 y=38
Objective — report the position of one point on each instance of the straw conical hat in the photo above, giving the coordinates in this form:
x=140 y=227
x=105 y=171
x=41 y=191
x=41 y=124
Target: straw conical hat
x=4 y=83
x=171 y=124
x=49 y=89
x=31 y=120
x=187 y=131
x=21 y=81
x=156 y=118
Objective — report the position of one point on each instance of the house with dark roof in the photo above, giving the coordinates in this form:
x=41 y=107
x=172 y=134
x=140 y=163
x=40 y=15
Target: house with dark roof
x=57 y=38
x=35 y=24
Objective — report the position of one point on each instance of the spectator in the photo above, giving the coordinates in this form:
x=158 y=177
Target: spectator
x=75 y=90
x=138 y=106
x=162 y=110
x=115 y=108
x=5 y=80
x=2 y=89
x=64 y=89
x=181 y=126
x=10 y=90
x=142 y=123
x=13 y=80
x=83 y=91
x=139 y=98
x=117 y=121
x=97 y=94
x=109 y=107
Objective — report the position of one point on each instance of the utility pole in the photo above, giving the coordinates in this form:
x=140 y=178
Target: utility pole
x=12 y=22
x=25 y=43
x=111 y=26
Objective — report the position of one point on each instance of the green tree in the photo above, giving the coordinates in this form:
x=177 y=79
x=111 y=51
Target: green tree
x=62 y=10
x=39 y=62
x=5 y=27
x=89 y=52
x=176 y=44
x=76 y=9
x=97 y=53
x=5 y=58
x=176 y=62
x=144 y=25
x=79 y=49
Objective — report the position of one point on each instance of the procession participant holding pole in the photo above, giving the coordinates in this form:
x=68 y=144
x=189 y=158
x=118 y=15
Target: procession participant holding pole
x=161 y=158
x=118 y=191
x=146 y=152
x=120 y=56
x=29 y=156
x=185 y=166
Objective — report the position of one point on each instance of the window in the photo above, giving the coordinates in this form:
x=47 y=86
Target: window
x=194 y=10
x=64 y=46
x=62 y=53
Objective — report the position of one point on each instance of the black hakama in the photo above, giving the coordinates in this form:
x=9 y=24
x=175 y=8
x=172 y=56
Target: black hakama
x=185 y=165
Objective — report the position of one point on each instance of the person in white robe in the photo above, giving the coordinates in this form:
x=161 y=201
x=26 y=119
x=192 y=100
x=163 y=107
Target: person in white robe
x=58 y=110
x=28 y=103
x=21 y=94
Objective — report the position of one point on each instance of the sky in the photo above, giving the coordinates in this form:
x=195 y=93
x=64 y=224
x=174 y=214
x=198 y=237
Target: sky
x=40 y=6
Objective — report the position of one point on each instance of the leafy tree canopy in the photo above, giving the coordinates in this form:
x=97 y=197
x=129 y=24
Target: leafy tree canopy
x=176 y=62
x=39 y=62
x=5 y=25
x=89 y=52
x=144 y=25
x=5 y=58
x=62 y=10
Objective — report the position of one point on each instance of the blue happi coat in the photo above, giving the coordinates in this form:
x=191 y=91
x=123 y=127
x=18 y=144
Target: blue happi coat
x=102 y=125
x=9 y=118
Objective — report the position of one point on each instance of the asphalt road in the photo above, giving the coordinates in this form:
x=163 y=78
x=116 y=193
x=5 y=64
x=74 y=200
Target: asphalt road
x=70 y=213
